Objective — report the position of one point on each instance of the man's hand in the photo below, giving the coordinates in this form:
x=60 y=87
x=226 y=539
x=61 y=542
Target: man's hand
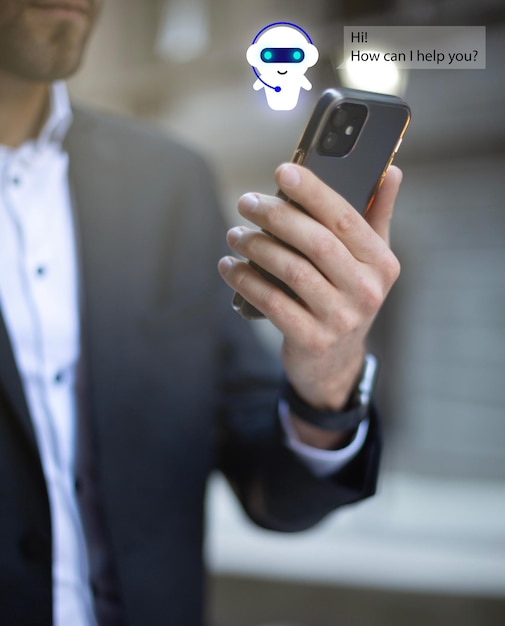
x=342 y=279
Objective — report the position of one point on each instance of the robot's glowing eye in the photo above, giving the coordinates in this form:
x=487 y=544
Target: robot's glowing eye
x=282 y=55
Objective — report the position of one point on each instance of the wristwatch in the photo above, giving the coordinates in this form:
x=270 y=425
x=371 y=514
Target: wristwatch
x=354 y=411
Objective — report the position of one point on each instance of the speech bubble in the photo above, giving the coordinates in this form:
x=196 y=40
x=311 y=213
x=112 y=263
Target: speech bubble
x=416 y=47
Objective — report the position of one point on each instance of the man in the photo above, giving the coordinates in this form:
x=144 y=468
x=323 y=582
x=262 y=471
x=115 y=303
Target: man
x=125 y=378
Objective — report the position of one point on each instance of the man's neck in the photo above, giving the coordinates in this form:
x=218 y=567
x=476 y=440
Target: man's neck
x=23 y=109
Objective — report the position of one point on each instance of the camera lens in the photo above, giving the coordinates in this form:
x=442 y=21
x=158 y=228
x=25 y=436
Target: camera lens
x=339 y=117
x=329 y=141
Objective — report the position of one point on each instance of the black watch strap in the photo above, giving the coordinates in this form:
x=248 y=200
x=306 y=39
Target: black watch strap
x=354 y=412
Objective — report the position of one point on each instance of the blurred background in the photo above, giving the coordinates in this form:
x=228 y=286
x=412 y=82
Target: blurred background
x=430 y=547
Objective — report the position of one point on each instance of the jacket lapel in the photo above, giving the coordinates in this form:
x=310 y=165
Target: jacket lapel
x=10 y=383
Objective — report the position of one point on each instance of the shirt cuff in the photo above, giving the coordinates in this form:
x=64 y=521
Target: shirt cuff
x=321 y=463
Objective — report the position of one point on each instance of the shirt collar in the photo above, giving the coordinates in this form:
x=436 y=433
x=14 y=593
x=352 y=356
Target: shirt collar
x=59 y=118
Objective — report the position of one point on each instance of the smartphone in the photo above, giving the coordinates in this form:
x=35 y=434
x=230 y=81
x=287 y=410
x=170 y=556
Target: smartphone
x=349 y=142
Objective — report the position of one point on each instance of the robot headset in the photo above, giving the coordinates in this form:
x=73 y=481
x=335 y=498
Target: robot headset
x=277 y=88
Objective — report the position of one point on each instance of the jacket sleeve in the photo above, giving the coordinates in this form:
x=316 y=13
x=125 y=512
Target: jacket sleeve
x=274 y=486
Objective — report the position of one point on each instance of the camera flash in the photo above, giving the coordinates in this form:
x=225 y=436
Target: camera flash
x=348 y=130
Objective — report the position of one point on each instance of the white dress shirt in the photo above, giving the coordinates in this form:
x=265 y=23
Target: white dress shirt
x=39 y=300
x=39 y=303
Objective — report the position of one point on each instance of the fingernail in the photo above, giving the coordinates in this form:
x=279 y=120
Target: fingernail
x=248 y=202
x=234 y=234
x=289 y=176
x=225 y=264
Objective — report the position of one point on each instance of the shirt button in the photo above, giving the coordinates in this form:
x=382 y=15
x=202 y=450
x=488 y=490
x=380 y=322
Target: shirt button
x=16 y=180
x=58 y=377
x=41 y=270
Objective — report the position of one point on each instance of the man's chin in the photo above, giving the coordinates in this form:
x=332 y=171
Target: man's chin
x=47 y=41
x=50 y=58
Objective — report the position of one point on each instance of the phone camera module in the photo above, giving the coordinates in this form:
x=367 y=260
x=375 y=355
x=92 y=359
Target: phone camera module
x=342 y=130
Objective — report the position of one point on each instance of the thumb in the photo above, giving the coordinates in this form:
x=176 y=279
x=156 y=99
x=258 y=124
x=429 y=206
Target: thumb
x=380 y=213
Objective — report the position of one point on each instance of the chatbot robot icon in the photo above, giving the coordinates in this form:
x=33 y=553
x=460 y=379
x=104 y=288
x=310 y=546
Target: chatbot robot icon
x=279 y=55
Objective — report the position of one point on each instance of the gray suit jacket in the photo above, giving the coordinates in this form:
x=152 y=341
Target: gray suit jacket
x=176 y=386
